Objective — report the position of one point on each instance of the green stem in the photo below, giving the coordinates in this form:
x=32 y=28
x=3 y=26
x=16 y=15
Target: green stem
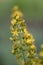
x=20 y=37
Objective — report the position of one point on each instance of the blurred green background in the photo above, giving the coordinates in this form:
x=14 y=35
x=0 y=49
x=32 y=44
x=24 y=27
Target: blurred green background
x=33 y=14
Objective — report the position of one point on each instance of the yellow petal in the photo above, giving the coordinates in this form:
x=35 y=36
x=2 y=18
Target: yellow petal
x=13 y=21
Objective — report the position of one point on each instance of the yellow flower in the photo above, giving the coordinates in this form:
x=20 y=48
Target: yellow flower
x=32 y=46
x=29 y=41
x=17 y=13
x=31 y=37
x=28 y=35
x=25 y=36
x=17 y=17
x=14 y=33
x=13 y=21
x=41 y=54
x=25 y=31
x=28 y=38
x=22 y=22
x=42 y=47
x=28 y=55
x=13 y=51
x=33 y=49
x=11 y=38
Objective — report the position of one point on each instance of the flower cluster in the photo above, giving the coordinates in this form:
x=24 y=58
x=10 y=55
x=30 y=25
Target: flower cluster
x=23 y=41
